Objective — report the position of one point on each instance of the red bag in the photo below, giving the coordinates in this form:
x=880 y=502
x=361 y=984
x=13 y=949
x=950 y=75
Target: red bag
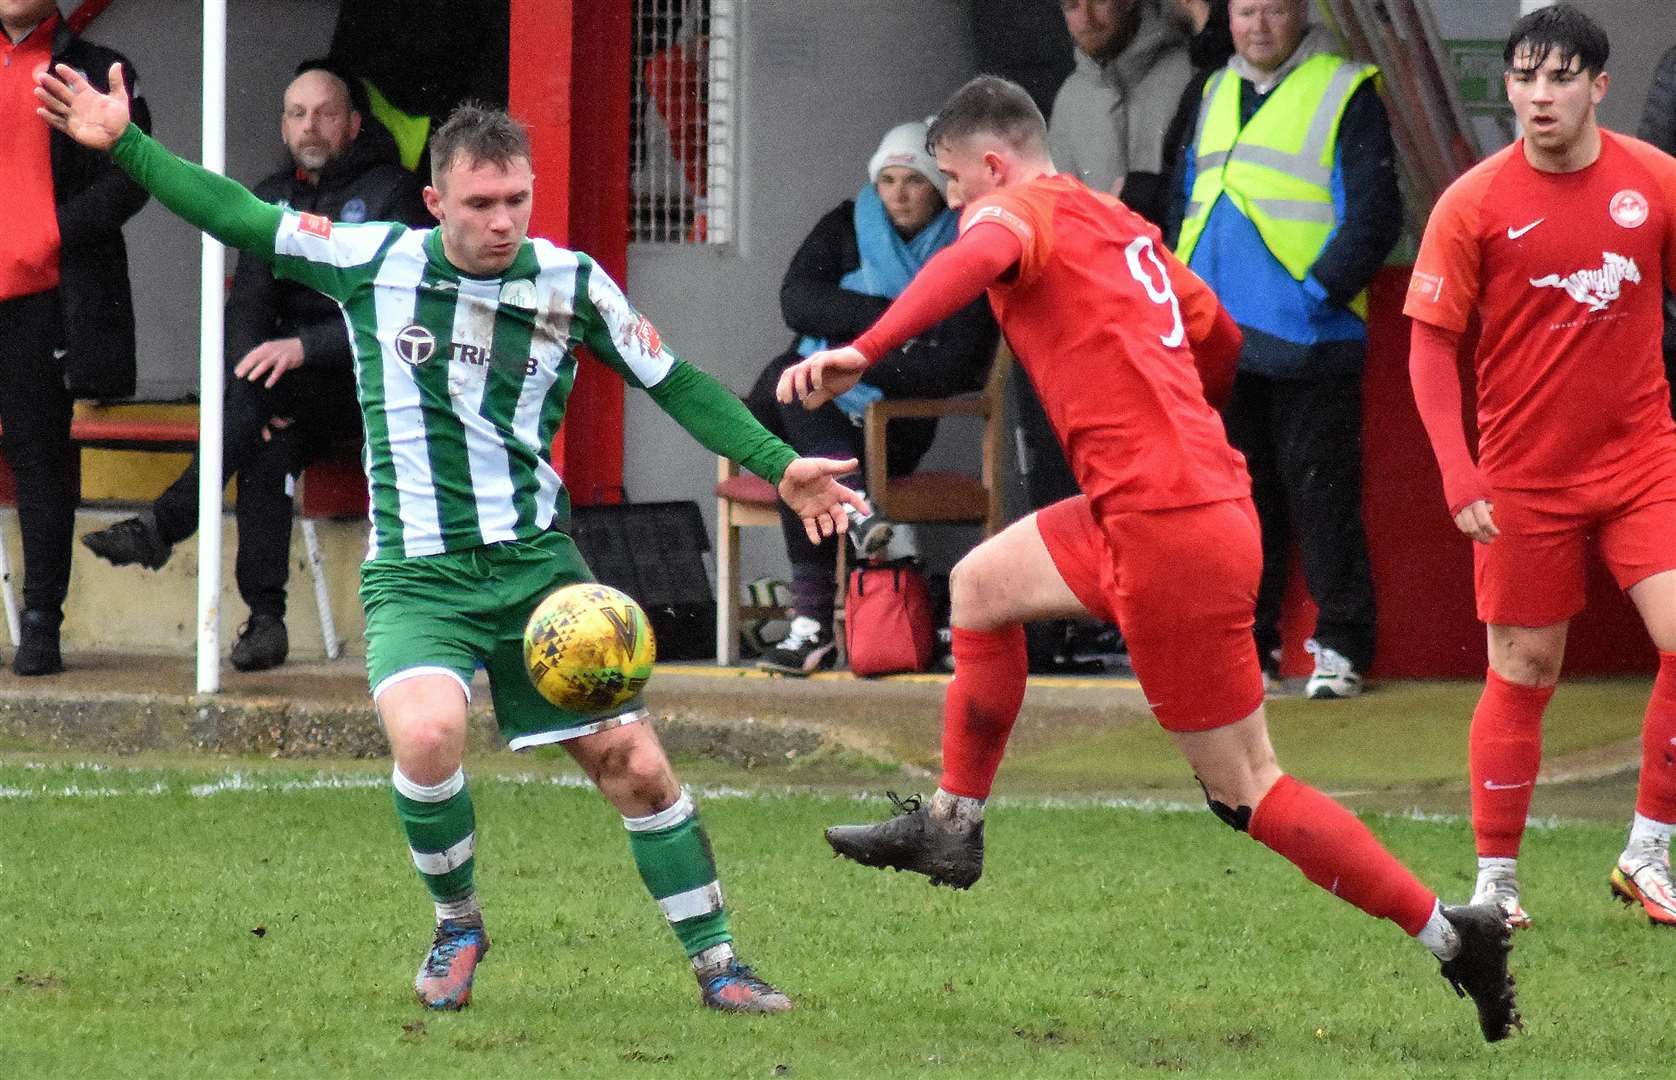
x=887 y=620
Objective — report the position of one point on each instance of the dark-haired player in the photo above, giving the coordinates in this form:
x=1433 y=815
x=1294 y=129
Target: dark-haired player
x=1560 y=243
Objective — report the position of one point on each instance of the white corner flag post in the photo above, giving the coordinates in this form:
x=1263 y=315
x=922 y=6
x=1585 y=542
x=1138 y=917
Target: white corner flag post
x=212 y=301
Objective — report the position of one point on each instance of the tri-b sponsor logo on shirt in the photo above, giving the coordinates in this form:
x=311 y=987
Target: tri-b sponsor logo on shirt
x=415 y=344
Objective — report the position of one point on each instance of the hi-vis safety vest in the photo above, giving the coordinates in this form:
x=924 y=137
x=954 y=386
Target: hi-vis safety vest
x=1278 y=169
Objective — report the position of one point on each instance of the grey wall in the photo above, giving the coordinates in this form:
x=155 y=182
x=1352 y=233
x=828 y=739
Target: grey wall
x=822 y=81
x=265 y=40
x=1639 y=30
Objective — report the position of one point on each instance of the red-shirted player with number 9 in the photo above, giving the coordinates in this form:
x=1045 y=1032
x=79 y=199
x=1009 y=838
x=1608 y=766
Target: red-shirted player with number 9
x=1164 y=540
x=1560 y=243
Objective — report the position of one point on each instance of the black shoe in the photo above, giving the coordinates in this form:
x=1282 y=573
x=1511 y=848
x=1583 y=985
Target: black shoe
x=38 y=653
x=912 y=841
x=807 y=649
x=1480 y=968
x=262 y=643
x=133 y=540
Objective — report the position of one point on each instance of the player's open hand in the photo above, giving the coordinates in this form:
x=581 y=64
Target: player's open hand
x=820 y=377
x=72 y=105
x=270 y=360
x=1477 y=520
x=810 y=487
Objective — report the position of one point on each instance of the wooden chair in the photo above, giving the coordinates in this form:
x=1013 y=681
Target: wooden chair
x=742 y=501
x=934 y=496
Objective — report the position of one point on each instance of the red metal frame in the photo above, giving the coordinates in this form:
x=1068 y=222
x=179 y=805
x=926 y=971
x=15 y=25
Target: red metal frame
x=569 y=82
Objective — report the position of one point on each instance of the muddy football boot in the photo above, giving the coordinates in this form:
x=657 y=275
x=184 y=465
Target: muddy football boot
x=734 y=987
x=912 y=841
x=1643 y=876
x=1500 y=887
x=444 y=979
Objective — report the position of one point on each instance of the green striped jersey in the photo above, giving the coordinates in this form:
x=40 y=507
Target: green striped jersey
x=462 y=380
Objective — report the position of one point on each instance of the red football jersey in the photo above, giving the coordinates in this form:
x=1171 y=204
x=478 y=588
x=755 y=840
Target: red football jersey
x=1566 y=272
x=1102 y=316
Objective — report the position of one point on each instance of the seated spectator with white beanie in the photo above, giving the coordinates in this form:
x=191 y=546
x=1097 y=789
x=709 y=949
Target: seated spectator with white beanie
x=858 y=258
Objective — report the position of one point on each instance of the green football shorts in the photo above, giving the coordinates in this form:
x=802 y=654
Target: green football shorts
x=452 y=613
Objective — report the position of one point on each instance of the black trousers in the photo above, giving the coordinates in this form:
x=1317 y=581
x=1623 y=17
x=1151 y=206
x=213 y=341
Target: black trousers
x=1302 y=440
x=321 y=406
x=35 y=411
x=1047 y=475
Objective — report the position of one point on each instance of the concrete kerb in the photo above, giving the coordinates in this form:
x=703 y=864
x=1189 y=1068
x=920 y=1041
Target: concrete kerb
x=315 y=710
x=128 y=723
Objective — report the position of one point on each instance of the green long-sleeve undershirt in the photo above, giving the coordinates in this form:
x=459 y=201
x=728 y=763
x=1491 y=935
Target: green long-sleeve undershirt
x=720 y=421
x=221 y=207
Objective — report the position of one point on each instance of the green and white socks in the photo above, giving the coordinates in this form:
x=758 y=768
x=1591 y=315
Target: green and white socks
x=441 y=830
x=670 y=849
x=673 y=855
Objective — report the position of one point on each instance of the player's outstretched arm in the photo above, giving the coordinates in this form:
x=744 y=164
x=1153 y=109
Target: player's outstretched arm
x=810 y=487
x=720 y=422
x=100 y=121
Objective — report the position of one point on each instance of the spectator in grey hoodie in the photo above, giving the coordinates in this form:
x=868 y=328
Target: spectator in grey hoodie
x=1111 y=113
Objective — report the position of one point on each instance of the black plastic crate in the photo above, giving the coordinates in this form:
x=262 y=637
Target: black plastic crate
x=655 y=553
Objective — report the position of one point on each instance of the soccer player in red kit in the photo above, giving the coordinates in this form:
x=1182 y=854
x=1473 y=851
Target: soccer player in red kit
x=1164 y=540
x=1560 y=243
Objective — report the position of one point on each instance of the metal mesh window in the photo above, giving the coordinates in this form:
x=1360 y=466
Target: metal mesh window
x=681 y=176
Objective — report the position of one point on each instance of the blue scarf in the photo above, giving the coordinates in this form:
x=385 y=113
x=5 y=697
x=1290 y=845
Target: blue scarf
x=888 y=263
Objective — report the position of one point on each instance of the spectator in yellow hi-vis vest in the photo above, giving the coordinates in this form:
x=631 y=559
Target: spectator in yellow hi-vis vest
x=1289 y=206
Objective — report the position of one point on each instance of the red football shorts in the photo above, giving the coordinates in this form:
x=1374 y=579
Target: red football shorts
x=1182 y=585
x=1534 y=573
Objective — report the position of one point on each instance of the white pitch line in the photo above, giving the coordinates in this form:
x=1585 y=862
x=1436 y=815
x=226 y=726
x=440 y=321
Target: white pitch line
x=243 y=782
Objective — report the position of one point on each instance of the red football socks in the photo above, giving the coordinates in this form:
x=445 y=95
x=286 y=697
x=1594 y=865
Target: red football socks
x=1504 y=754
x=983 y=700
x=1656 y=797
x=1339 y=853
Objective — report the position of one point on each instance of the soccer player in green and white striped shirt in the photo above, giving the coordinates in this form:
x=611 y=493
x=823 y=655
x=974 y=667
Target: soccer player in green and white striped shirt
x=464 y=340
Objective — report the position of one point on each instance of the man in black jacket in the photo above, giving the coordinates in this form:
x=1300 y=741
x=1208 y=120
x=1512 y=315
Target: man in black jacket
x=66 y=313
x=291 y=394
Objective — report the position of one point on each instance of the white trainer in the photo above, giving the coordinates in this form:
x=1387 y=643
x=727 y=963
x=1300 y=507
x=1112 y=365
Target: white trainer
x=1643 y=876
x=1501 y=887
x=1335 y=676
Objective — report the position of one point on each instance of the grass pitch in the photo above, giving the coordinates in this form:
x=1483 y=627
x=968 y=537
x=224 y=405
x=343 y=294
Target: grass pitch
x=179 y=919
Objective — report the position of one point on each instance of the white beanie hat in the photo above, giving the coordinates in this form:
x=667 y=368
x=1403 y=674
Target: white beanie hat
x=904 y=144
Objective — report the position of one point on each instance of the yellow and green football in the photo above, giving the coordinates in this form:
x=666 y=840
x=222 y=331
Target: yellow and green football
x=589 y=648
